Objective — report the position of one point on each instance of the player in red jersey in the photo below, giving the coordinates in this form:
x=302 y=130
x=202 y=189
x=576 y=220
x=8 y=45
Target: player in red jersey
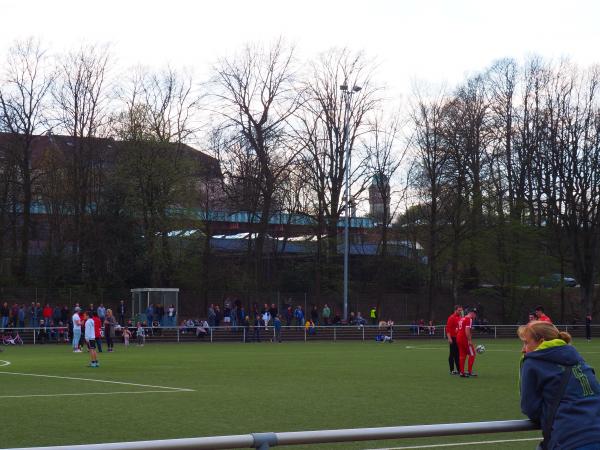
x=465 y=343
x=539 y=312
x=451 y=330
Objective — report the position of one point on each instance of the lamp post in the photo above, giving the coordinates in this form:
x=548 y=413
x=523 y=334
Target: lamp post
x=347 y=94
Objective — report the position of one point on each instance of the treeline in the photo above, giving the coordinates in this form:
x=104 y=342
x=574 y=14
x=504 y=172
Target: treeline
x=497 y=179
x=507 y=177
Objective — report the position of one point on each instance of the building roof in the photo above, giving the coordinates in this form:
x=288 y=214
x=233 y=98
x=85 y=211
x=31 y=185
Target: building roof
x=107 y=147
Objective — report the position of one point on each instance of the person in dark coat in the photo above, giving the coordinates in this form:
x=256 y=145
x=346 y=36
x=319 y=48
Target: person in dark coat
x=575 y=423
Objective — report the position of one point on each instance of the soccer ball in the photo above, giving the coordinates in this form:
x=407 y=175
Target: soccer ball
x=480 y=348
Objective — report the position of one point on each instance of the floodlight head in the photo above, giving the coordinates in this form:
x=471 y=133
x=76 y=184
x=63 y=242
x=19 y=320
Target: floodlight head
x=343 y=87
x=356 y=88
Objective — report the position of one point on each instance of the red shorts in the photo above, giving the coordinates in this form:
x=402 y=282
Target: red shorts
x=465 y=349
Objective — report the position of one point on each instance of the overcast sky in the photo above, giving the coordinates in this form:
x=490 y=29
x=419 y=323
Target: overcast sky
x=431 y=40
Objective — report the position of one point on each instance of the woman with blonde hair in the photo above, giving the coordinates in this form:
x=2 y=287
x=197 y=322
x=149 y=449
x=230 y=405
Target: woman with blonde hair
x=558 y=389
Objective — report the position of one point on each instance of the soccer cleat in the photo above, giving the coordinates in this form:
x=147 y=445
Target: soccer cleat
x=464 y=375
x=453 y=372
x=471 y=374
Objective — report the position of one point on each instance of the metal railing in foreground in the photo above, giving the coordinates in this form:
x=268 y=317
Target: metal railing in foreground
x=264 y=441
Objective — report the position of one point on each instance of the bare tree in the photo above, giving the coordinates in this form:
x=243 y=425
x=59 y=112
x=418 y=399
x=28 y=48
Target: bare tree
x=322 y=131
x=26 y=82
x=574 y=159
x=427 y=176
x=255 y=95
x=81 y=106
x=155 y=167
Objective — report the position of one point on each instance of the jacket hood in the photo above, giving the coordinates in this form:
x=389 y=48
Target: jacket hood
x=555 y=352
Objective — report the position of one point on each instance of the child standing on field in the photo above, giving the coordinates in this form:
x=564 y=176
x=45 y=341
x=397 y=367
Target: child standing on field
x=126 y=336
x=140 y=334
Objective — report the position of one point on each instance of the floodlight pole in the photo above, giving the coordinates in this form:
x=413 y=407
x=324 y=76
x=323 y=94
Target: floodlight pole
x=347 y=94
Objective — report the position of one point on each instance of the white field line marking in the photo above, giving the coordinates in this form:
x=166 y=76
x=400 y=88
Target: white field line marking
x=456 y=444
x=97 y=381
x=91 y=393
x=4 y=363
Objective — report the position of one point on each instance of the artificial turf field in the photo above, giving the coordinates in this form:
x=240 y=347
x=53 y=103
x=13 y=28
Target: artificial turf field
x=193 y=390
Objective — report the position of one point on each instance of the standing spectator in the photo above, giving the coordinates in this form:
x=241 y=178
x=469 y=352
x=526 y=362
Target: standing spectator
x=31 y=314
x=90 y=339
x=289 y=314
x=97 y=330
x=35 y=313
x=56 y=315
x=299 y=315
x=258 y=323
x=126 y=336
x=266 y=318
x=558 y=389
x=4 y=314
x=310 y=327
x=241 y=313
x=326 y=314
x=314 y=315
x=352 y=318
x=588 y=327
x=42 y=335
x=76 y=321
x=539 y=313
x=431 y=328
x=122 y=312
x=21 y=316
x=246 y=324
x=227 y=313
x=150 y=314
x=373 y=315
x=451 y=332
x=109 y=329
x=277 y=326
x=84 y=318
x=140 y=335
x=64 y=314
x=414 y=328
x=234 y=316
x=171 y=316
x=14 y=313
x=160 y=313
x=264 y=310
x=211 y=316
x=360 y=320
x=273 y=311
x=47 y=313
x=218 y=315
x=101 y=312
